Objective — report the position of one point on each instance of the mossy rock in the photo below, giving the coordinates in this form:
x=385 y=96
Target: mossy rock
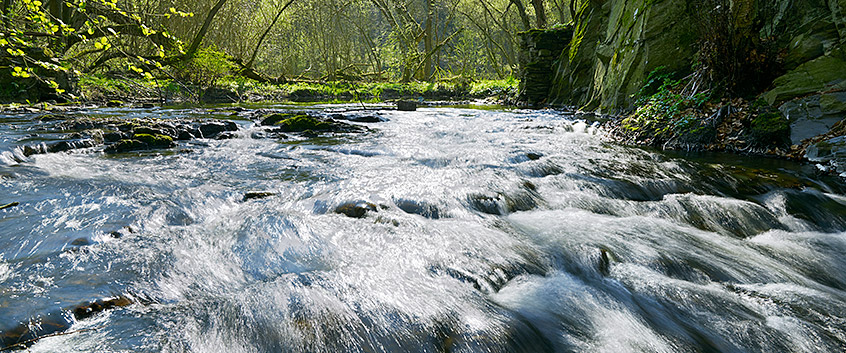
x=770 y=128
x=155 y=141
x=127 y=145
x=141 y=142
x=301 y=123
x=114 y=103
x=273 y=119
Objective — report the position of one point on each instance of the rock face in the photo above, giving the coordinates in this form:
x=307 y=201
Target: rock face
x=615 y=44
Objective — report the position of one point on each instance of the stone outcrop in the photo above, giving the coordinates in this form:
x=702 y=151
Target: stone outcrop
x=615 y=44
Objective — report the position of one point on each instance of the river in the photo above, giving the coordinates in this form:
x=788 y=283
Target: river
x=487 y=230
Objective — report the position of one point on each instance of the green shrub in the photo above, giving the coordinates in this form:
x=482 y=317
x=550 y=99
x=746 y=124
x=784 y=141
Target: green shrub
x=206 y=68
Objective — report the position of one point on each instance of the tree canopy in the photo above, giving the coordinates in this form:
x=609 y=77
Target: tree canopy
x=46 y=43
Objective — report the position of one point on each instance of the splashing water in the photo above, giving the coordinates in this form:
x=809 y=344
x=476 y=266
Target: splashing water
x=489 y=230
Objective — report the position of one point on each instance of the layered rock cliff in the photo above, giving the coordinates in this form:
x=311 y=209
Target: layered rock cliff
x=616 y=44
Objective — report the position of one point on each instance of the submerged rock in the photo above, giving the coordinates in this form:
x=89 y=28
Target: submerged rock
x=28 y=333
x=356 y=209
x=253 y=195
x=419 y=208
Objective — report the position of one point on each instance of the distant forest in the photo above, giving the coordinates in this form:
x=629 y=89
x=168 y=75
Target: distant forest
x=372 y=40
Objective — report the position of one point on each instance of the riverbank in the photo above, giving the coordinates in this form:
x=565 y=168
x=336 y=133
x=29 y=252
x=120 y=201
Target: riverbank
x=101 y=90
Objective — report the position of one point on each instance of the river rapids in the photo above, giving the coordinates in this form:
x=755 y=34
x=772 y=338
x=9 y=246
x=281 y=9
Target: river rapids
x=473 y=230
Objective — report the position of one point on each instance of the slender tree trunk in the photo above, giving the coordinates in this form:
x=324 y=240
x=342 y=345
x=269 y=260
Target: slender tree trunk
x=427 y=40
x=573 y=9
x=198 y=39
x=266 y=31
x=521 y=10
x=540 y=13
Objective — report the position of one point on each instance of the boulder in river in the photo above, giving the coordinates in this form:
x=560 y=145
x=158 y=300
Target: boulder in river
x=253 y=195
x=356 y=209
x=306 y=125
x=406 y=106
x=141 y=142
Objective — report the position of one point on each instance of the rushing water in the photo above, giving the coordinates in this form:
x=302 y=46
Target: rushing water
x=495 y=231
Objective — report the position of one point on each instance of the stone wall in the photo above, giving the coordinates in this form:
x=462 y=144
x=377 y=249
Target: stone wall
x=540 y=50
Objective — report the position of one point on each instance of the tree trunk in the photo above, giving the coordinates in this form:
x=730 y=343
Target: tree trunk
x=266 y=31
x=56 y=7
x=521 y=10
x=540 y=13
x=198 y=39
x=573 y=10
x=427 y=40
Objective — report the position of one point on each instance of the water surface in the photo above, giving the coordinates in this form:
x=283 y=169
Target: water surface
x=496 y=230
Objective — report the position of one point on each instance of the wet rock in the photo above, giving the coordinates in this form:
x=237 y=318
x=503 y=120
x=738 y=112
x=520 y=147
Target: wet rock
x=604 y=262
x=485 y=204
x=419 y=208
x=273 y=119
x=254 y=195
x=213 y=128
x=303 y=123
x=141 y=142
x=226 y=136
x=63 y=146
x=365 y=119
x=114 y=103
x=123 y=146
x=533 y=156
x=148 y=131
x=808 y=118
x=51 y=324
x=80 y=242
x=114 y=136
x=188 y=134
x=356 y=209
x=406 y=106
x=10 y=205
x=53 y=117
x=88 y=310
x=770 y=129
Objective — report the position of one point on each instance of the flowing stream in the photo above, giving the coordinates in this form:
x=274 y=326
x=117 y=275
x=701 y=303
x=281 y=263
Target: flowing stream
x=487 y=230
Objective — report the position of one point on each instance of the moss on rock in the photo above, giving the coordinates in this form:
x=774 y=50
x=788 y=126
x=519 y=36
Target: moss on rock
x=141 y=142
x=155 y=141
x=301 y=123
x=275 y=118
x=770 y=128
